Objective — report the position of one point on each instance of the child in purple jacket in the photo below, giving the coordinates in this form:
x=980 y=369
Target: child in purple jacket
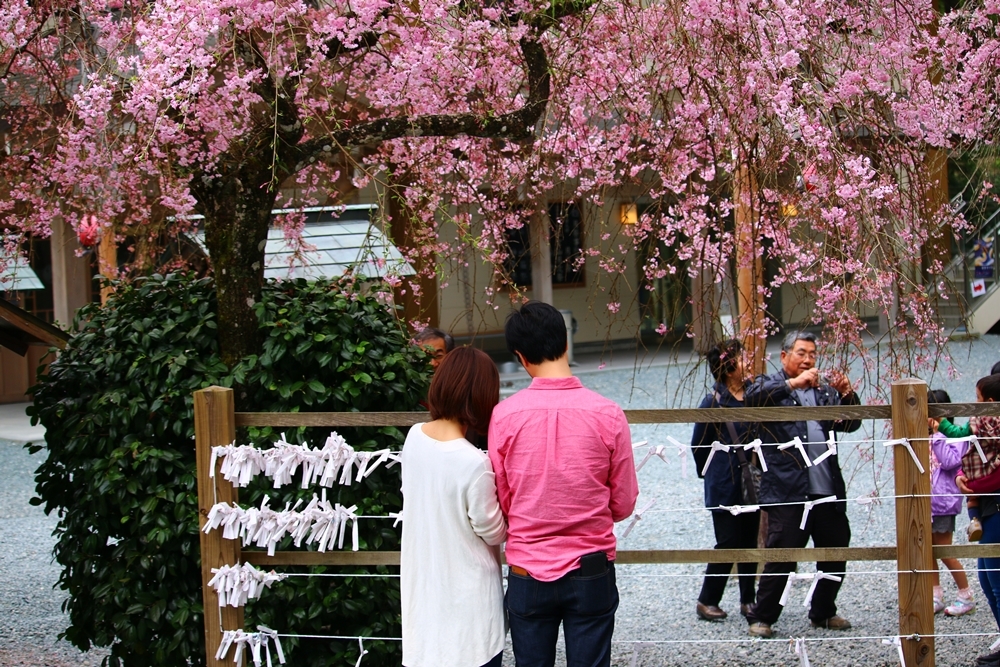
x=946 y=504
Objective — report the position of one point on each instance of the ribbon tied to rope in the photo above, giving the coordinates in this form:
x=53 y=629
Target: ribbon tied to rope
x=909 y=447
x=716 y=447
x=636 y=517
x=814 y=577
x=658 y=451
x=831 y=450
x=798 y=645
x=809 y=504
x=797 y=444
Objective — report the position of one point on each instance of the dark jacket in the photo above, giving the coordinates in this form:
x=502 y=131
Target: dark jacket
x=723 y=480
x=787 y=479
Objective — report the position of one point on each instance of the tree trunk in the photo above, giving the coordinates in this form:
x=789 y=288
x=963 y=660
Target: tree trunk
x=237 y=216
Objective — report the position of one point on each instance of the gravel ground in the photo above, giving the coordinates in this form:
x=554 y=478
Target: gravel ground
x=657 y=601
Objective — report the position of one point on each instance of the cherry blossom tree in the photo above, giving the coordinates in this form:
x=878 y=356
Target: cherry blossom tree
x=815 y=125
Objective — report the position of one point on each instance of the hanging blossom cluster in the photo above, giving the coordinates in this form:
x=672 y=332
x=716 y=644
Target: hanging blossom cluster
x=813 y=123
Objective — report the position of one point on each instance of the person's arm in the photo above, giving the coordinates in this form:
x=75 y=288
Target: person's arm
x=485 y=515
x=948 y=454
x=497 y=451
x=952 y=431
x=766 y=390
x=622 y=479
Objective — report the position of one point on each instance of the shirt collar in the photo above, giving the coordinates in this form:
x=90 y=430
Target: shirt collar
x=572 y=382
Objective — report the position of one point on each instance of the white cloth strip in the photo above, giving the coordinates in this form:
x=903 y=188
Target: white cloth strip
x=336 y=462
x=809 y=504
x=831 y=450
x=659 y=451
x=736 y=510
x=897 y=642
x=755 y=445
x=363 y=652
x=254 y=641
x=909 y=447
x=817 y=576
x=320 y=523
x=641 y=443
x=682 y=454
x=797 y=444
x=995 y=645
x=716 y=447
x=792 y=578
x=236 y=584
x=799 y=647
x=636 y=517
x=637 y=648
x=974 y=439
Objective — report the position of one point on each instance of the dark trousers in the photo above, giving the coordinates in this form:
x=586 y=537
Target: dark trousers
x=731 y=532
x=584 y=605
x=828 y=527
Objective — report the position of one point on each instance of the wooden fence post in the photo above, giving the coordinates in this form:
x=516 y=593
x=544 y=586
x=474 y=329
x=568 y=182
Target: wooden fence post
x=214 y=424
x=913 y=523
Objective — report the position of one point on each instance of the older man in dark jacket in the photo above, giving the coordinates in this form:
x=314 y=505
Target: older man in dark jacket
x=790 y=478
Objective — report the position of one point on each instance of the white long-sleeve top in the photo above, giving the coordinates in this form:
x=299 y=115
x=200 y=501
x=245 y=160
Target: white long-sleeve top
x=450 y=580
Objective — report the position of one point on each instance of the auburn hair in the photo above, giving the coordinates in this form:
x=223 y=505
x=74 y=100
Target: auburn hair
x=465 y=388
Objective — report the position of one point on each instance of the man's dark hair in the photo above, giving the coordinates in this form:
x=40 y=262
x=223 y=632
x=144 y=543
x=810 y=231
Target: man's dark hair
x=938 y=396
x=723 y=357
x=995 y=369
x=430 y=333
x=989 y=387
x=465 y=388
x=796 y=335
x=537 y=331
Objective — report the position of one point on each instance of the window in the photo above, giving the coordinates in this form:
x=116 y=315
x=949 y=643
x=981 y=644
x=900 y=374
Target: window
x=566 y=248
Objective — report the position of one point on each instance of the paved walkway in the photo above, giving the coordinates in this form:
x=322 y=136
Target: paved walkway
x=15 y=425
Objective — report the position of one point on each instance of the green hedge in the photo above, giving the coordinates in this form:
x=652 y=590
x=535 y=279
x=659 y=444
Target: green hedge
x=120 y=465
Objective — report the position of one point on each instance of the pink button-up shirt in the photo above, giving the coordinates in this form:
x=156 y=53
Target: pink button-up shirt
x=562 y=456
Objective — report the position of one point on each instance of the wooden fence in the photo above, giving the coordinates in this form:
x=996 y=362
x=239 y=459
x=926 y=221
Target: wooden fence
x=216 y=423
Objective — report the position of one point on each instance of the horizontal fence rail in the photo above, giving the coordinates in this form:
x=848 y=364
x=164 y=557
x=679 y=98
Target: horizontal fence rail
x=216 y=421
x=679 y=416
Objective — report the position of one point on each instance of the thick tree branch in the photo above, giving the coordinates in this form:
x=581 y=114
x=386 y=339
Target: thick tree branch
x=516 y=125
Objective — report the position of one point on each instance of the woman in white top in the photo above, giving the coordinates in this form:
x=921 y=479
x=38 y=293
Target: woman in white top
x=451 y=586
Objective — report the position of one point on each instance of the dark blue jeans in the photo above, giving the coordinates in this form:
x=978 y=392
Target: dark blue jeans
x=584 y=605
x=990 y=581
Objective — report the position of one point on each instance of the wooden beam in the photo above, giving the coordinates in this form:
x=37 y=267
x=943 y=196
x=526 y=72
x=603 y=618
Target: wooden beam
x=35 y=326
x=913 y=523
x=687 y=416
x=213 y=425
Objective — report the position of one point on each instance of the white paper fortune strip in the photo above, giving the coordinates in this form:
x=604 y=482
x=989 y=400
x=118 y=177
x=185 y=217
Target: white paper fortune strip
x=756 y=446
x=897 y=642
x=336 y=462
x=797 y=444
x=320 y=523
x=809 y=504
x=906 y=443
x=682 y=453
x=636 y=517
x=814 y=577
x=235 y=584
x=254 y=641
x=799 y=646
x=716 y=447
x=831 y=450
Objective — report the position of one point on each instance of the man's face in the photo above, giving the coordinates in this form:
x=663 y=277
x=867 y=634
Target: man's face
x=435 y=347
x=799 y=359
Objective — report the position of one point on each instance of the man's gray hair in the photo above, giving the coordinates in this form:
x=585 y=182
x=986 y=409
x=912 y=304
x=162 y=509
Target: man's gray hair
x=792 y=336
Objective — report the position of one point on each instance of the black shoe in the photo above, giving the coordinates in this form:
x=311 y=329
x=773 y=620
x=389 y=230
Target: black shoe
x=745 y=610
x=709 y=612
x=989 y=660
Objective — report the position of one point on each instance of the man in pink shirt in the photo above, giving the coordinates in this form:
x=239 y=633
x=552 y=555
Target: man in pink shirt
x=562 y=456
